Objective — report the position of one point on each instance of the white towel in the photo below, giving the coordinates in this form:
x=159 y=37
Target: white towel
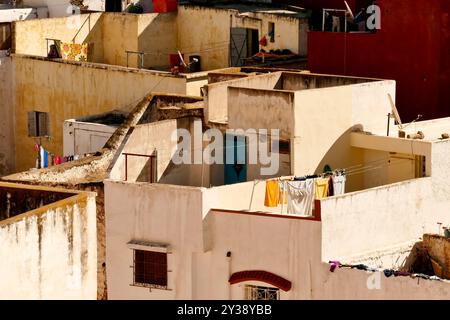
x=300 y=197
x=339 y=184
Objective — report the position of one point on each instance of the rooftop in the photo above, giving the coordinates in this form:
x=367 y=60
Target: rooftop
x=17 y=199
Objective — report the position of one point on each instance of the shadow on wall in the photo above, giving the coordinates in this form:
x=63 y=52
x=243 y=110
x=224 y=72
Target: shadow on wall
x=15 y=201
x=418 y=260
x=158 y=40
x=94 y=39
x=342 y=156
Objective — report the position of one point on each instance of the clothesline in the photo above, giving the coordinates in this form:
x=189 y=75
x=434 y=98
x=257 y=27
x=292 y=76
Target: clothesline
x=387 y=272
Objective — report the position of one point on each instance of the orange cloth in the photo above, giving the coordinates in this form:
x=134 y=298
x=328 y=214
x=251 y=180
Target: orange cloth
x=321 y=187
x=272 y=194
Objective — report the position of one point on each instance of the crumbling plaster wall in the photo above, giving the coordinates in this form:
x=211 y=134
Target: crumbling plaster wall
x=50 y=253
x=7 y=119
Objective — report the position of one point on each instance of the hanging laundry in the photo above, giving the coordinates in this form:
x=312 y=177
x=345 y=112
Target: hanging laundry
x=283 y=197
x=330 y=187
x=300 y=197
x=388 y=272
x=41 y=157
x=321 y=187
x=339 y=184
x=401 y=274
x=272 y=193
x=334 y=265
x=45 y=159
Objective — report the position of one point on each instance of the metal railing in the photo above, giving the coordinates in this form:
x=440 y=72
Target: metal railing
x=153 y=158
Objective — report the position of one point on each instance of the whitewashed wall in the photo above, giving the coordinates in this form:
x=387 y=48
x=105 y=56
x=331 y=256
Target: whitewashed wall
x=51 y=252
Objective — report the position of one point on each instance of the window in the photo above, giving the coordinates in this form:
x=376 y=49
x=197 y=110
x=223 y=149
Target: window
x=150 y=269
x=272 y=31
x=284 y=147
x=38 y=124
x=261 y=293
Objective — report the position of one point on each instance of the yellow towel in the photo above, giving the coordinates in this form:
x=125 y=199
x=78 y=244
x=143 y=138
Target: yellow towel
x=321 y=188
x=272 y=193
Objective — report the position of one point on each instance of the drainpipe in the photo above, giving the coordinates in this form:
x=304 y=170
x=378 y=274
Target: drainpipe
x=229 y=273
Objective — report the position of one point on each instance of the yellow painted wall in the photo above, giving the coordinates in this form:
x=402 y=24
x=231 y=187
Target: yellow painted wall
x=193 y=30
x=109 y=36
x=157 y=35
x=205 y=31
x=30 y=35
x=70 y=90
x=120 y=34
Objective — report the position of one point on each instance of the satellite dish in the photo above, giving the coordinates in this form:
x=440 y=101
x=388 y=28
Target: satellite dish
x=395 y=112
x=349 y=9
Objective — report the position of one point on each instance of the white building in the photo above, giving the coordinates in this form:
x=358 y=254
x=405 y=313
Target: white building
x=180 y=238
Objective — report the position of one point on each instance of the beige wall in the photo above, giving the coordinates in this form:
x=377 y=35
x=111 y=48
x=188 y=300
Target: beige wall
x=261 y=109
x=347 y=284
x=152 y=33
x=287 y=247
x=71 y=90
x=395 y=215
x=216 y=108
x=86 y=28
x=50 y=253
x=146 y=139
x=157 y=35
x=204 y=31
x=213 y=46
x=111 y=34
x=119 y=35
x=324 y=119
x=154 y=213
x=7 y=150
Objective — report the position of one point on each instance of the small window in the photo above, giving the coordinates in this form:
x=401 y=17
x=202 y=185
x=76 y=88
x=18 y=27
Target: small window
x=38 y=124
x=150 y=269
x=285 y=147
x=261 y=293
x=272 y=31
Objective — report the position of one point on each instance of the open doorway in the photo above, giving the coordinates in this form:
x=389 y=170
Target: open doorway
x=244 y=43
x=113 y=6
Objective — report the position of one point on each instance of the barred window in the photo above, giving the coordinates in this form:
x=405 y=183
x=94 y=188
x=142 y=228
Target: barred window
x=261 y=293
x=150 y=269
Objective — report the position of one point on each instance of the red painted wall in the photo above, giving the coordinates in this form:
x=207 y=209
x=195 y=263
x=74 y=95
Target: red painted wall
x=412 y=47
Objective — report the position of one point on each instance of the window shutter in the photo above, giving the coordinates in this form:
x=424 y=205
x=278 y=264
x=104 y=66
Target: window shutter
x=32 y=124
x=43 y=124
